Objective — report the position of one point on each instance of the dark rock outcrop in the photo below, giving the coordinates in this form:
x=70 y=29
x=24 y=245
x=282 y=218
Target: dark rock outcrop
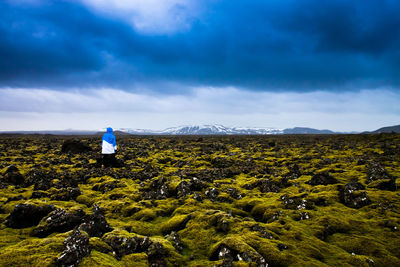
x=27 y=215
x=75 y=147
x=353 y=196
x=158 y=189
x=261 y=230
x=123 y=245
x=295 y=203
x=323 y=178
x=95 y=224
x=176 y=241
x=378 y=177
x=229 y=255
x=40 y=179
x=59 y=221
x=183 y=189
x=13 y=176
x=212 y=194
x=76 y=247
x=156 y=255
x=233 y=192
x=268 y=185
x=65 y=194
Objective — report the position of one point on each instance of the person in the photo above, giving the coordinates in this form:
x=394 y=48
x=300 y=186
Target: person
x=109 y=148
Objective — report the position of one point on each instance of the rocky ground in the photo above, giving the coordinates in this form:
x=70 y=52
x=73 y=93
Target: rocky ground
x=201 y=201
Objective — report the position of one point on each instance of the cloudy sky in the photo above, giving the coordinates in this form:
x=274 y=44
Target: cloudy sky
x=87 y=64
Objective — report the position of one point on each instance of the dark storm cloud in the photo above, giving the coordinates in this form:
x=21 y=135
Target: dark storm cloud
x=296 y=45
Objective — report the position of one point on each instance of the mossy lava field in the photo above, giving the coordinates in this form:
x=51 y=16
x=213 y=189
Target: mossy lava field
x=201 y=201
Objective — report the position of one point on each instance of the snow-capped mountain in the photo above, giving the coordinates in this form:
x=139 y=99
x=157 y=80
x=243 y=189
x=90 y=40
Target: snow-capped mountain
x=205 y=130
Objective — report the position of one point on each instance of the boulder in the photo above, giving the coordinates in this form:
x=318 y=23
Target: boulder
x=59 y=221
x=183 y=189
x=65 y=194
x=176 y=241
x=386 y=184
x=158 y=189
x=261 y=230
x=295 y=203
x=212 y=194
x=233 y=192
x=95 y=224
x=376 y=171
x=323 y=178
x=123 y=245
x=230 y=254
x=76 y=247
x=12 y=176
x=75 y=147
x=27 y=215
x=156 y=254
x=353 y=196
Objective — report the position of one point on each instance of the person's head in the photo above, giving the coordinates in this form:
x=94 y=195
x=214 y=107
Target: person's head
x=109 y=130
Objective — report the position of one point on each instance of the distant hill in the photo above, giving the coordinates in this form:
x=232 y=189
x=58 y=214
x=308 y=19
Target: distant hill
x=303 y=130
x=389 y=129
x=51 y=132
x=117 y=132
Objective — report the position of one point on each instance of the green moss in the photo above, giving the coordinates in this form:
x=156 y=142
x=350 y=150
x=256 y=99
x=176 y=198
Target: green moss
x=328 y=237
x=33 y=252
x=176 y=223
x=97 y=258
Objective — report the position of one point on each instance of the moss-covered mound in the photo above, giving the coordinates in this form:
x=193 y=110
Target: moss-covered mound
x=209 y=201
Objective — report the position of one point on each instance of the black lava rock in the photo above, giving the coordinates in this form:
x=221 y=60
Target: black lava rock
x=183 y=189
x=176 y=241
x=233 y=192
x=75 y=146
x=95 y=224
x=229 y=255
x=156 y=254
x=123 y=246
x=322 y=179
x=76 y=247
x=196 y=184
x=158 y=189
x=66 y=194
x=12 y=176
x=387 y=184
x=267 y=185
x=376 y=171
x=378 y=177
x=261 y=230
x=27 y=215
x=11 y=168
x=352 y=195
x=212 y=194
x=222 y=226
x=40 y=179
x=197 y=196
x=295 y=203
x=282 y=246
x=59 y=221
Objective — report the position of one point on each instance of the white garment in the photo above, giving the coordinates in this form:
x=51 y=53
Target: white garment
x=108 y=148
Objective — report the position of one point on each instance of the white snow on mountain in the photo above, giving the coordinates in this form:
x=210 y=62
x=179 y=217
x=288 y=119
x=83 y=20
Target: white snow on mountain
x=215 y=129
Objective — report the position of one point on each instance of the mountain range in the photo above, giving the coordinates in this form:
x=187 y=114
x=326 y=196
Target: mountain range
x=214 y=129
x=217 y=129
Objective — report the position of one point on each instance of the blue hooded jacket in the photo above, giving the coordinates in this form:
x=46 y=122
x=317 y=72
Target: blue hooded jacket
x=109 y=144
